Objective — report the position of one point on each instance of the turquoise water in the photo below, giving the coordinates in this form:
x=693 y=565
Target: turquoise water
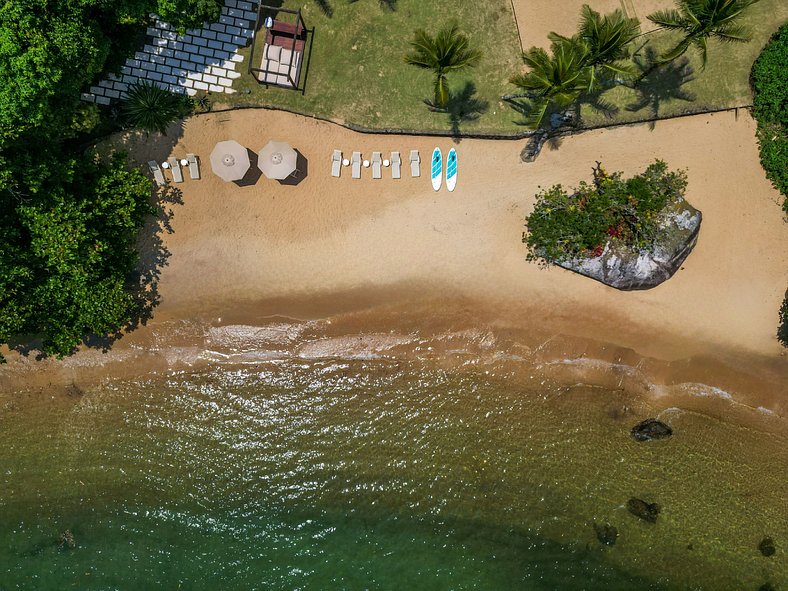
x=375 y=475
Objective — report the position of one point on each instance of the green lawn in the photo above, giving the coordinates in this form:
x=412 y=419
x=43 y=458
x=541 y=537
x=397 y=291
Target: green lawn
x=357 y=74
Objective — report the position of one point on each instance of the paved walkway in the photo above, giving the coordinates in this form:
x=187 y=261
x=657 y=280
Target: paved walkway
x=202 y=59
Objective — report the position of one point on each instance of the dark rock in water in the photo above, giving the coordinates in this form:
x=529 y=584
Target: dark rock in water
x=646 y=511
x=66 y=541
x=627 y=269
x=767 y=587
x=651 y=429
x=767 y=547
x=606 y=534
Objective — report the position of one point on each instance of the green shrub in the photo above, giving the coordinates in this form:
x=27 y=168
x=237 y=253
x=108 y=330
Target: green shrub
x=152 y=108
x=782 y=329
x=769 y=79
x=568 y=225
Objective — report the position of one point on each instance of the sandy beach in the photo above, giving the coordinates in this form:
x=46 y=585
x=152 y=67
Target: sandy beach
x=331 y=246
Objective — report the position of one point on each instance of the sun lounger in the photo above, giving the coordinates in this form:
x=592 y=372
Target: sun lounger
x=336 y=162
x=158 y=175
x=396 y=165
x=175 y=166
x=377 y=162
x=415 y=160
x=194 y=166
x=356 y=165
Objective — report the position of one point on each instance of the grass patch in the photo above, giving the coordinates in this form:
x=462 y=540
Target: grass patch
x=357 y=73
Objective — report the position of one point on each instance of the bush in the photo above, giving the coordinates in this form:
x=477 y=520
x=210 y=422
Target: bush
x=152 y=108
x=769 y=79
x=782 y=329
x=564 y=226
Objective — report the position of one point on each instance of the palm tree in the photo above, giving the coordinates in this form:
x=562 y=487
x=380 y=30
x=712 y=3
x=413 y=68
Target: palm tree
x=152 y=108
x=448 y=51
x=578 y=64
x=607 y=38
x=555 y=80
x=701 y=20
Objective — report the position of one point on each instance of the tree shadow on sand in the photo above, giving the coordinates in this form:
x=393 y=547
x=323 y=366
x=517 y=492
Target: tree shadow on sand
x=463 y=107
x=661 y=84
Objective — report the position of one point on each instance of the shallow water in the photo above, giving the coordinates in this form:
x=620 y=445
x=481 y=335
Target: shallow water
x=380 y=474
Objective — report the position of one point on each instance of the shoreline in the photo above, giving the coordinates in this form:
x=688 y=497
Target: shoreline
x=329 y=247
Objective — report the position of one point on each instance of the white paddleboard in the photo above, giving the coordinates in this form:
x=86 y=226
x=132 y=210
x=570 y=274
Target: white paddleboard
x=451 y=170
x=437 y=168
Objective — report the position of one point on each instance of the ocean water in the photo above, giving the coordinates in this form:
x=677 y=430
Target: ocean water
x=328 y=473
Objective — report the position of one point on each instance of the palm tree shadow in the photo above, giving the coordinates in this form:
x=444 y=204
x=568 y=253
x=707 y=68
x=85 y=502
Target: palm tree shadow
x=597 y=103
x=389 y=4
x=463 y=106
x=661 y=84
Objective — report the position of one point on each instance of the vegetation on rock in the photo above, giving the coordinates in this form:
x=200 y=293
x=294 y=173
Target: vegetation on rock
x=566 y=225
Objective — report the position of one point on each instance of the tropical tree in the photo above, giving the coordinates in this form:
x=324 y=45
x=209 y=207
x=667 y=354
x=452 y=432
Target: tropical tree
x=583 y=63
x=555 y=80
x=448 y=51
x=152 y=108
x=701 y=20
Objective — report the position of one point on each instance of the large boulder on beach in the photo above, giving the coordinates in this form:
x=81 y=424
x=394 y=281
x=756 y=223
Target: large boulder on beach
x=651 y=429
x=627 y=269
x=645 y=511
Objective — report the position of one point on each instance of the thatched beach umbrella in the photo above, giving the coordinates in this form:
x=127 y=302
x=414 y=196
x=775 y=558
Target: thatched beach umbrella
x=230 y=160
x=277 y=160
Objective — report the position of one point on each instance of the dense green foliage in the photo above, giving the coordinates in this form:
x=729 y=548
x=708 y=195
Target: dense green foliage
x=67 y=223
x=782 y=329
x=448 y=51
x=566 y=225
x=151 y=108
x=593 y=58
x=67 y=254
x=770 y=85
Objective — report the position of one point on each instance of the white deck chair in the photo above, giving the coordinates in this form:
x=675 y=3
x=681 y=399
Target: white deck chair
x=175 y=166
x=356 y=165
x=336 y=162
x=396 y=165
x=158 y=175
x=194 y=166
x=377 y=162
x=415 y=160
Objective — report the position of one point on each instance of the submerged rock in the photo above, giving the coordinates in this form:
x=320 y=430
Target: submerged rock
x=766 y=587
x=66 y=541
x=643 y=510
x=651 y=429
x=627 y=269
x=767 y=547
x=606 y=534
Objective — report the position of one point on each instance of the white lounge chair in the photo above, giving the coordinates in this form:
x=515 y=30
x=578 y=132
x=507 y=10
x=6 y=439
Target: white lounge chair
x=194 y=166
x=355 y=161
x=396 y=165
x=377 y=162
x=158 y=175
x=175 y=167
x=415 y=161
x=336 y=162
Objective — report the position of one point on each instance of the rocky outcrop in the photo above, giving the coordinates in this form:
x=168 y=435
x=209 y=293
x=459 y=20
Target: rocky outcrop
x=767 y=547
x=651 y=429
x=627 y=269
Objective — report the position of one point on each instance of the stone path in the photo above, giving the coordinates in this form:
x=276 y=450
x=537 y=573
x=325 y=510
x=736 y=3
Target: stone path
x=202 y=59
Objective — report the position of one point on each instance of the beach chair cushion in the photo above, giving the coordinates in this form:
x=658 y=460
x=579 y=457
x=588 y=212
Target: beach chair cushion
x=194 y=166
x=175 y=167
x=274 y=52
